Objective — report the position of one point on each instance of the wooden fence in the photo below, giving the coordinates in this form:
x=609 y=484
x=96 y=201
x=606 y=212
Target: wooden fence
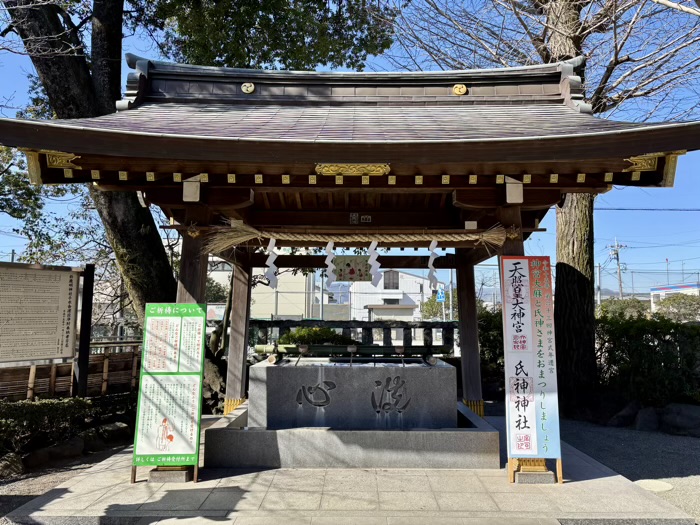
x=113 y=368
x=376 y=337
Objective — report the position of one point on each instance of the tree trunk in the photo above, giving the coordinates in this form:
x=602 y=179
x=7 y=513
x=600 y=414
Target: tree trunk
x=574 y=307
x=77 y=89
x=138 y=248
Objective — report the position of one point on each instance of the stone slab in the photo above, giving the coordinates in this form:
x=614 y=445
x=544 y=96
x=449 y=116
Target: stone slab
x=366 y=396
x=170 y=476
x=535 y=478
x=474 y=447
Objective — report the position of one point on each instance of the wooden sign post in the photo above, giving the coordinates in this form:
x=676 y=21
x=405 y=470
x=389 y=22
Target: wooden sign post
x=170 y=388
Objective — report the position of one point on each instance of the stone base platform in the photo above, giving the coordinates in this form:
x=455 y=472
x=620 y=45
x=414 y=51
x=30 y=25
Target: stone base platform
x=474 y=445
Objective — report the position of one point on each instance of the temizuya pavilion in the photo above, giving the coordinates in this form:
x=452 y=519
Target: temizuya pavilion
x=473 y=159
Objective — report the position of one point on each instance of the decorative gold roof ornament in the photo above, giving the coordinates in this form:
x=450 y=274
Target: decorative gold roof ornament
x=650 y=162
x=669 y=176
x=59 y=159
x=353 y=169
x=460 y=89
x=513 y=232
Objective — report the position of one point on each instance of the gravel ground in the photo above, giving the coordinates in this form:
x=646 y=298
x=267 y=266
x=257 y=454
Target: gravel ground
x=18 y=491
x=644 y=456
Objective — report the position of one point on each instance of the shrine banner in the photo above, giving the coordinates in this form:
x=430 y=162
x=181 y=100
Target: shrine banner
x=532 y=408
x=170 y=390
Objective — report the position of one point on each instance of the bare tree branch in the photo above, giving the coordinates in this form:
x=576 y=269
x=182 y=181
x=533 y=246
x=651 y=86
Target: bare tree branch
x=679 y=7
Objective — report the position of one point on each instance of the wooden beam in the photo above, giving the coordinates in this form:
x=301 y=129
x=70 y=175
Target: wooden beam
x=231 y=198
x=331 y=218
x=497 y=196
x=318 y=261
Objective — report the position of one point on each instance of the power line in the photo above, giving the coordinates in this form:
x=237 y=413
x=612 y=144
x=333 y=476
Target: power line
x=646 y=209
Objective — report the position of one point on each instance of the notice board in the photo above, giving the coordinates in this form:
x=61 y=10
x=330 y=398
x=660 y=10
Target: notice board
x=38 y=312
x=170 y=389
x=532 y=408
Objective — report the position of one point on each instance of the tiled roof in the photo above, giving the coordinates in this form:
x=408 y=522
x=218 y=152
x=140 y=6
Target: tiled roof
x=415 y=123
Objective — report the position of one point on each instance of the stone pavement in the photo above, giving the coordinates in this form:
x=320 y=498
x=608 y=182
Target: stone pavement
x=593 y=494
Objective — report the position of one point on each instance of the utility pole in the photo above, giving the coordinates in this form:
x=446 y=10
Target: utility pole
x=451 y=292
x=615 y=254
x=632 y=284
x=599 y=290
x=12 y=259
x=322 y=285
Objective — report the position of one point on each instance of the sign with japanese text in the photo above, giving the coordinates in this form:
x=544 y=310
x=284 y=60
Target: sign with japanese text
x=532 y=409
x=170 y=389
x=38 y=312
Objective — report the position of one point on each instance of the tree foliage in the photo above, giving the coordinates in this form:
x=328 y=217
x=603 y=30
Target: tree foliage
x=631 y=307
x=75 y=47
x=290 y=34
x=431 y=310
x=680 y=308
x=18 y=199
x=641 y=60
x=215 y=292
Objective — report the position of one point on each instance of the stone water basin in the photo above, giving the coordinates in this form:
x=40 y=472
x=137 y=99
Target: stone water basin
x=367 y=395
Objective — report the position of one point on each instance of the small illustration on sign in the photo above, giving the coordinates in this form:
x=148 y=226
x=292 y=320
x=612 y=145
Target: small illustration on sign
x=164 y=436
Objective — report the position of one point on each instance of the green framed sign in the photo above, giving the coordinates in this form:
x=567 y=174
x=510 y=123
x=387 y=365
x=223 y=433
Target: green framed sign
x=170 y=387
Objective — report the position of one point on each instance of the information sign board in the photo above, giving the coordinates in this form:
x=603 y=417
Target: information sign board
x=440 y=296
x=532 y=409
x=38 y=312
x=170 y=389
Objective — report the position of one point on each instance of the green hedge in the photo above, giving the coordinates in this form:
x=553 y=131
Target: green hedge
x=27 y=425
x=315 y=336
x=653 y=361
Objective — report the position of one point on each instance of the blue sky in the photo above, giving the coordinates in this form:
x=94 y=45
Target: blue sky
x=651 y=237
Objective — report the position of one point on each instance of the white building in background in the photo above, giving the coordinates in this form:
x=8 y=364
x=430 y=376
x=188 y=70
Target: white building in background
x=659 y=293
x=292 y=299
x=398 y=296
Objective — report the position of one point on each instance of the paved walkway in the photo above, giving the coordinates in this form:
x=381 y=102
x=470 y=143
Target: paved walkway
x=593 y=494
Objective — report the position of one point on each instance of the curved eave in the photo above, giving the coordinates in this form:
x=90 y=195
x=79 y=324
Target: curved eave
x=564 y=147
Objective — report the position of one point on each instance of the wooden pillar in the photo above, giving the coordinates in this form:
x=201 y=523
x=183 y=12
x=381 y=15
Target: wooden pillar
x=469 y=333
x=238 y=343
x=386 y=336
x=407 y=337
x=192 y=279
x=82 y=362
x=427 y=337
